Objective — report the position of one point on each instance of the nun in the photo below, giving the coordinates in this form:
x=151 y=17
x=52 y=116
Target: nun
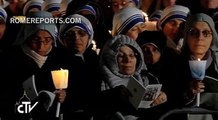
x=76 y=37
x=129 y=21
x=33 y=53
x=121 y=61
x=201 y=41
x=3 y=18
x=171 y=24
x=52 y=6
x=31 y=6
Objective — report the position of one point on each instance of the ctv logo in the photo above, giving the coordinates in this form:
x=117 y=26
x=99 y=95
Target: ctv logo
x=24 y=106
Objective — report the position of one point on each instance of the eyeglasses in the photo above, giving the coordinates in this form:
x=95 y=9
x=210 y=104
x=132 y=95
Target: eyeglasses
x=196 y=33
x=38 y=41
x=81 y=33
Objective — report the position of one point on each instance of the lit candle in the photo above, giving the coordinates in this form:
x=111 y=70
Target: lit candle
x=197 y=68
x=94 y=47
x=60 y=78
x=110 y=32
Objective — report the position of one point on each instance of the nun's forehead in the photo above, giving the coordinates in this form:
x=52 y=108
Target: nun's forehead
x=79 y=29
x=199 y=18
x=75 y=28
x=124 y=46
x=194 y=24
x=41 y=32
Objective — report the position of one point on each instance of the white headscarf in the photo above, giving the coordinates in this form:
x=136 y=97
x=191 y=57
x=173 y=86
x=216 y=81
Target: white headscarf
x=201 y=17
x=126 y=19
x=84 y=25
x=29 y=30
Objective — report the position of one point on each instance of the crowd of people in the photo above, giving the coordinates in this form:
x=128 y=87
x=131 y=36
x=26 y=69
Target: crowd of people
x=152 y=41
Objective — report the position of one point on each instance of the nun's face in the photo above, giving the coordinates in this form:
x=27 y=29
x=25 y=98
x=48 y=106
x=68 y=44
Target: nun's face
x=171 y=28
x=199 y=39
x=209 y=4
x=126 y=60
x=16 y=5
x=56 y=14
x=76 y=39
x=151 y=54
x=41 y=42
x=2 y=29
x=169 y=2
x=134 y=31
x=119 y=4
x=34 y=10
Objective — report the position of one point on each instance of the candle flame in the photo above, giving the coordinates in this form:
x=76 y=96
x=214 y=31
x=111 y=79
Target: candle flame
x=199 y=59
x=93 y=42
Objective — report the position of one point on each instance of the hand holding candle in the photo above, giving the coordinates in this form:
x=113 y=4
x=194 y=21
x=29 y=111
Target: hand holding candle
x=197 y=68
x=61 y=95
x=60 y=80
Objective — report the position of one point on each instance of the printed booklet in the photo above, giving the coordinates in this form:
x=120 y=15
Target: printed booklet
x=31 y=91
x=142 y=97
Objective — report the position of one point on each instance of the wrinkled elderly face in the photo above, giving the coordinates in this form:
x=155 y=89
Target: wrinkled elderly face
x=126 y=60
x=76 y=39
x=41 y=42
x=119 y=4
x=199 y=38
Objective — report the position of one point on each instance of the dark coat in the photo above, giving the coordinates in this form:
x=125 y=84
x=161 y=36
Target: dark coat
x=17 y=67
x=184 y=72
x=84 y=86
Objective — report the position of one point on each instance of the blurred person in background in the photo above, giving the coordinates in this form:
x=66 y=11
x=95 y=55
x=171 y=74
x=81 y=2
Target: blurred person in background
x=4 y=3
x=209 y=7
x=3 y=18
x=166 y=3
x=129 y=21
x=52 y=6
x=15 y=8
x=32 y=6
x=92 y=11
x=117 y=5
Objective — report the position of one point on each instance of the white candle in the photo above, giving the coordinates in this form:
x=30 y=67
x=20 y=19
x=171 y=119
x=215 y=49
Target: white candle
x=198 y=72
x=198 y=94
x=197 y=68
x=60 y=78
x=94 y=47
